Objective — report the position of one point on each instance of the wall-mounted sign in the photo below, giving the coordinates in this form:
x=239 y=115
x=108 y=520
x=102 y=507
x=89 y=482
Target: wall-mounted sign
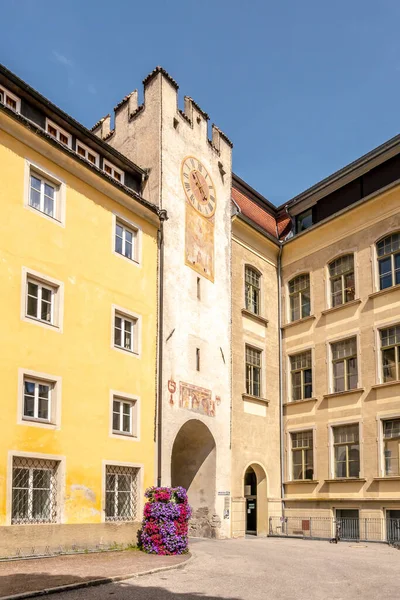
x=224 y=493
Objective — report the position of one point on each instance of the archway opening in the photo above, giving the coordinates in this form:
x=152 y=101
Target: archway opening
x=256 y=502
x=193 y=466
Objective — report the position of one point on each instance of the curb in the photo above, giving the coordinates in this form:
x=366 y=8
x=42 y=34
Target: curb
x=94 y=582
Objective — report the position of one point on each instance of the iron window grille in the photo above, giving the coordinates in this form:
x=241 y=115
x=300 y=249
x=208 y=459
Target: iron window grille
x=125 y=241
x=302 y=455
x=34 y=491
x=341 y=273
x=390 y=349
x=299 y=295
x=388 y=251
x=344 y=365
x=122 y=487
x=301 y=375
x=40 y=301
x=42 y=195
x=253 y=371
x=125 y=332
x=252 y=290
x=123 y=416
x=391 y=441
x=37 y=400
x=346 y=445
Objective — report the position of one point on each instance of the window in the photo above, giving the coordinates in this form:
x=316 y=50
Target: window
x=58 y=133
x=388 y=251
x=37 y=400
x=304 y=220
x=346 y=450
x=302 y=455
x=253 y=371
x=197 y=359
x=299 y=294
x=125 y=332
x=391 y=446
x=301 y=375
x=341 y=273
x=126 y=241
x=40 y=301
x=122 y=493
x=87 y=153
x=344 y=365
x=34 y=491
x=124 y=413
x=43 y=195
x=113 y=172
x=198 y=289
x=390 y=349
x=252 y=290
x=9 y=100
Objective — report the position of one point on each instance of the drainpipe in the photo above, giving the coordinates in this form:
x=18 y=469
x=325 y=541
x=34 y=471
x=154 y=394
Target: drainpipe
x=163 y=217
x=282 y=449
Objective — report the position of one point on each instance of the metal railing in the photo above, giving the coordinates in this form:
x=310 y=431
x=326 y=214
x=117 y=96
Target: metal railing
x=327 y=528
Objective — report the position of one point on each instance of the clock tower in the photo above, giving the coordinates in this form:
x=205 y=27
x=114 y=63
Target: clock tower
x=189 y=177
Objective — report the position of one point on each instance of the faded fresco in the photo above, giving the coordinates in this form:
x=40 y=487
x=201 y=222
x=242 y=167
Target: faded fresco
x=197 y=399
x=199 y=246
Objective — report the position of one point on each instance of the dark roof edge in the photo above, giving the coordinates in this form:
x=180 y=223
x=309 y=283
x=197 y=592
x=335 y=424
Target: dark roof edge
x=258 y=228
x=261 y=200
x=346 y=170
x=66 y=150
x=157 y=70
x=72 y=122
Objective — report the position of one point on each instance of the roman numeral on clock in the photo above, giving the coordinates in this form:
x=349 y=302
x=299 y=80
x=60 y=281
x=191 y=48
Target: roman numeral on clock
x=210 y=206
x=187 y=185
x=193 y=163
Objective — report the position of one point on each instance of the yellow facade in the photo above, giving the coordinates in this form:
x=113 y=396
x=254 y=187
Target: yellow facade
x=79 y=353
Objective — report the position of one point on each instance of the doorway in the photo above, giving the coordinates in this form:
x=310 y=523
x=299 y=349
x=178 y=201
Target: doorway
x=393 y=525
x=250 y=494
x=349 y=523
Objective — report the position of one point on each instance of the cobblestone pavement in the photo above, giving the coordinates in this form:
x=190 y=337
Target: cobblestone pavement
x=266 y=569
x=21 y=576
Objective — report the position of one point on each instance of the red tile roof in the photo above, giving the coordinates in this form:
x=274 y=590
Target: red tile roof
x=255 y=212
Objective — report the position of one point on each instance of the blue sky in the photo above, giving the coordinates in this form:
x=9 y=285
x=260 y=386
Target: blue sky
x=301 y=88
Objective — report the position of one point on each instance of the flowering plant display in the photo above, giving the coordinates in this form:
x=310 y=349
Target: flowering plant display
x=165 y=521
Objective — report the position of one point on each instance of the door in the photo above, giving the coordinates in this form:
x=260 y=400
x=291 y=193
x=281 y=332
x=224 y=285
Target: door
x=348 y=521
x=393 y=525
x=251 y=515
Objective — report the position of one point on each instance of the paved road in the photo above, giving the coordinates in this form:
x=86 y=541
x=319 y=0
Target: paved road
x=266 y=569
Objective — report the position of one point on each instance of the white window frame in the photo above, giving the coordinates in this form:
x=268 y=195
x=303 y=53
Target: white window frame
x=289 y=461
x=57 y=287
x=60 y=192
x=59 y=130
x=114 y=170
x=17 y=100
x=331 y=456
x=342 y=338
x=87 y=150
x=60 y=496
x=137 y=238
x=55 y=383
x=134 y=400
x=140 y=490
x=118 y=311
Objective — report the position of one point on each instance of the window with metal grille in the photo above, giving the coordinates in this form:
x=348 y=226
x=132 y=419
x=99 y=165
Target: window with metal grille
x=299 y=296
x=346 y=451
x=301 y=375
x=302 y=455
x=43 y=195
x=253 y=371
x=34 y=490
x=40 y=301
x=125 y=332
x=124 y=413
x=391 y=447
x=390 y=352
x=122 y=491
x=341 y=273
x=126 y=241
x=388 y=251
x=344 y=365
x=252 y=290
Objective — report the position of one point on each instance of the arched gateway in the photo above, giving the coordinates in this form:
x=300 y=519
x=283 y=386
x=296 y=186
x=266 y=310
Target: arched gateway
x=256 y=503
x=193 y=466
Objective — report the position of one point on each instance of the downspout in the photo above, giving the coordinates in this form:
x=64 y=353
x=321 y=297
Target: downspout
x=163 y=217
x=282 y=448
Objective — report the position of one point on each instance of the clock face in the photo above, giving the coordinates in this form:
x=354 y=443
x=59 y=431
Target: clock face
x=198 y=186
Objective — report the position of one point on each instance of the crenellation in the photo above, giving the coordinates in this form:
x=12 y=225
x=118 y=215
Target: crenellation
x=130 y=99
x=103 y=127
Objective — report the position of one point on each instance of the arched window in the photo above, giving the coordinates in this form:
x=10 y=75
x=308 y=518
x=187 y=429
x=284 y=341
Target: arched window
x=252 y=290
x=341 y=275
x=388 y=251
x=299 y=294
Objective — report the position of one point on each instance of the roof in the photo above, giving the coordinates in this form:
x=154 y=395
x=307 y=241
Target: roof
x=255 y=212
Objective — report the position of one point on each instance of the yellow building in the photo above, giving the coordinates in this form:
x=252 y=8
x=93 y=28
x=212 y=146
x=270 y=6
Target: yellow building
x=78 y=273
